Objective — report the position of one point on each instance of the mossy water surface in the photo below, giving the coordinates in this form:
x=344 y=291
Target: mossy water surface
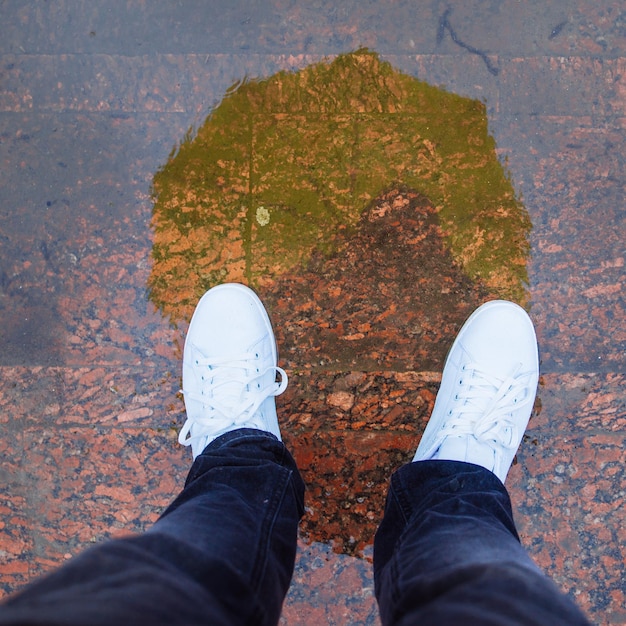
x=285 y=164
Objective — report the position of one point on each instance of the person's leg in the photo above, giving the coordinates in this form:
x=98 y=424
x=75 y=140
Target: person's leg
x=224 y=551
x=447 y=551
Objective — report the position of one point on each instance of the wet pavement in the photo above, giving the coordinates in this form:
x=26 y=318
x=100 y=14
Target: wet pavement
x=375 y=171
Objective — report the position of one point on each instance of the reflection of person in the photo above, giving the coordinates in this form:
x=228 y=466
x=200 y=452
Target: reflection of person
x=447 y=551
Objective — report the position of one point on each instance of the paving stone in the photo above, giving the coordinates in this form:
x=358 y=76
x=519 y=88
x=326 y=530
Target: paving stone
x=92 y=107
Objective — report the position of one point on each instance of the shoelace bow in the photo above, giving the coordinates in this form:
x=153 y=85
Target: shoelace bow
x=232 y=392
x=488 y=422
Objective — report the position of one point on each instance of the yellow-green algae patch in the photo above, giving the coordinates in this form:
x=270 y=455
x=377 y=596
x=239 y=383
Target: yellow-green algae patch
x=285 y=163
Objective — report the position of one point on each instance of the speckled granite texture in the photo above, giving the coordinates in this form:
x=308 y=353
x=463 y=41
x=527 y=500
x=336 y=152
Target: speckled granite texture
x=91 y=108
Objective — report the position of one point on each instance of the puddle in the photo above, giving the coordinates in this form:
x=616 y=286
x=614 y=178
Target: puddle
x=284 y=164
x=371 y=213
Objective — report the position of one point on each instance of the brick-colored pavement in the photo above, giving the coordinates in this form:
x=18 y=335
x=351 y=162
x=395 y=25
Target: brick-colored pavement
x=93 y=99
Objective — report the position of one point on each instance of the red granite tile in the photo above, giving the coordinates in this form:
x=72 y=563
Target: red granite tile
x=347 y=475
x=163 y=83
x=95 y=483
x=581 y=402
x=574 y=195
x=16 y=538
x=75 y=240
x=330 y=588
x=96 y=395
x=30 y=393
x=363 y=401
x=568 y=494
x=463 y=74
x=324 y=28
x=108 y=320
x=16 y=543
x=573 y=86
x=520 y=28
x=79 y=294
x=120 y=396
x=597 y=28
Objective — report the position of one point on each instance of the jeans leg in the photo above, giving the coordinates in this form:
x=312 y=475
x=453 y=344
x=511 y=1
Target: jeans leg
x=447 y=552
x=222 y=553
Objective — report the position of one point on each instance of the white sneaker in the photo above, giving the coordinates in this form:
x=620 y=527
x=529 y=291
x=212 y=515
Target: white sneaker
x=229 y=367
x=487 y=390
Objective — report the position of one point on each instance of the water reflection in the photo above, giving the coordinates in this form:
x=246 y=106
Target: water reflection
x=372 y=214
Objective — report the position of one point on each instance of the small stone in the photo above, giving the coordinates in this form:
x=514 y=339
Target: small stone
x=341 y=400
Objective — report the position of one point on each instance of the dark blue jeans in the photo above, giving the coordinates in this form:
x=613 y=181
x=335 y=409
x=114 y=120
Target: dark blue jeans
x=223 y=553
x=447 y=552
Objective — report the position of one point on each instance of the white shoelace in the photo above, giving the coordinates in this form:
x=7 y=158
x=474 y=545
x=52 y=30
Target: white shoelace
x=483 y=407
x=231 y=393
